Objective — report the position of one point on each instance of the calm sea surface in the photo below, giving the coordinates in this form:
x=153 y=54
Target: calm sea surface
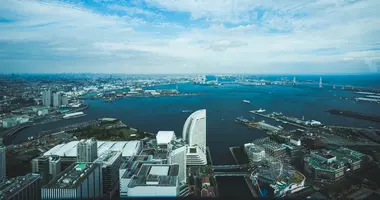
x=224 y=104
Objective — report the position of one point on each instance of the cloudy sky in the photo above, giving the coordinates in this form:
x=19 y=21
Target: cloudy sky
x=190 y=36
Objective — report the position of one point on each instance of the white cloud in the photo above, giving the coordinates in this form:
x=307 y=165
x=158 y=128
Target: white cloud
x=263 y=33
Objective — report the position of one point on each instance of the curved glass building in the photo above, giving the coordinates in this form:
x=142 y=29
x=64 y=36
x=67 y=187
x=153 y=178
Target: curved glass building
x=194 y=134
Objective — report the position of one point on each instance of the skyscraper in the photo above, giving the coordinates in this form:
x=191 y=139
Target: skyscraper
x=47 y=98
x=26 y=187
x=178 y=156
x=87 y=150
x=110 y=163
x=54 y=166
x=57 y=99
x=47 y=166
x=194 y=130
x=65 y=100
x=194 y=134
x=2 y=161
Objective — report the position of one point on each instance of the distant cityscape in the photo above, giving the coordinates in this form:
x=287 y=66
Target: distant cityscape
x=108 y=158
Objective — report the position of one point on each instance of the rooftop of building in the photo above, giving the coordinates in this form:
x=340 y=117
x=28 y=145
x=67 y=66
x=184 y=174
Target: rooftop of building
x=268 y=143
x=14 y=185
x=323 y=165
x=128 y=148
x=108 y=157
x=158 y=175
x=156 y=153
x=165 y=137
x=73 y=176
x=133 y=168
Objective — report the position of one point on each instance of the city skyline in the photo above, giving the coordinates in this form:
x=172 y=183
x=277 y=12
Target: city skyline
x=161 y=36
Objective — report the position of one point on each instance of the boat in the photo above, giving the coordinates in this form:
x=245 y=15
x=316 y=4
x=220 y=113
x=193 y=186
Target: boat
x=246 y=101
x=73 y=115
x=241 y=120
x=187 y=111
x=261 y=110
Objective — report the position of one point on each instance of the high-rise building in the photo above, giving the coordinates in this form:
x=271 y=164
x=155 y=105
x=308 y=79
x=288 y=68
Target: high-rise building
x=3 y=166
x=57 y=99
x=47 y=98
x=79 y=181
x=194 y=134
x=110 y=163
x=177 y=155
x=40 y=166
x=65 y=100
x=54 y=166
x=155 y=180
x=87 y=150
x=26 y=187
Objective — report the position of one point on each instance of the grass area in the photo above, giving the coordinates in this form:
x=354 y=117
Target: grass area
x=114 y=131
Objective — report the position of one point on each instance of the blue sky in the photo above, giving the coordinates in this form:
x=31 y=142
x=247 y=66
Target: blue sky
x=190 y=36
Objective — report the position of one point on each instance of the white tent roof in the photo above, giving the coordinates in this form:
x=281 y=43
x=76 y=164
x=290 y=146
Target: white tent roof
x=165 y=137
x=128 y=148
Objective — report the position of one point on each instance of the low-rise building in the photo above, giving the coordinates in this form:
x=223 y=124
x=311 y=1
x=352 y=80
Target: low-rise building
x=131 y=167
x=323 y=166
x=9 y=122
x=205 y=181
x=155 y=181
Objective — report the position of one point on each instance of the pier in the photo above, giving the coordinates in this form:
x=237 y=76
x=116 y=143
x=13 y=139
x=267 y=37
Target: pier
x=280 y=120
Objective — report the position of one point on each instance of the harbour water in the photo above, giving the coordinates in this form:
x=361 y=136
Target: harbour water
x=224 y=104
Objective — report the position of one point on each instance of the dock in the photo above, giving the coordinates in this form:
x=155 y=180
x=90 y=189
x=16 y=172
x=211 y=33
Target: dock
x=251 y=187
x=280 y=120
x=213 y=178
x=233 y=155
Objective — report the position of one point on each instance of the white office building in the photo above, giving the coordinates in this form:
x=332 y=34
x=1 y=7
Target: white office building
x=194 y=134
x=155 y=181
x=57 y=99
x=54 y=166
x=79 y=181
x=87 y=150
x=110 y=162
x=47 y=98
x=177 y=155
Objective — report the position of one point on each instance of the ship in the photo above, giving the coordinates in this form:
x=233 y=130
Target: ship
x=241 y=120
x=261 y=110
x=187 y=111
x=246 y=101
x=73 y=115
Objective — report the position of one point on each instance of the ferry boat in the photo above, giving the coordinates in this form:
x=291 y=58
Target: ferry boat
x=246 y=101
x=241 y=120
x=261 y=110
x=187 y=111
x=73 y=115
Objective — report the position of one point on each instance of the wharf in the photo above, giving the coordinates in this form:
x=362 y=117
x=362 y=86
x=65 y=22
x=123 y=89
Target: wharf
x=213 y=178
x=233 y=155
x=280 y=120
